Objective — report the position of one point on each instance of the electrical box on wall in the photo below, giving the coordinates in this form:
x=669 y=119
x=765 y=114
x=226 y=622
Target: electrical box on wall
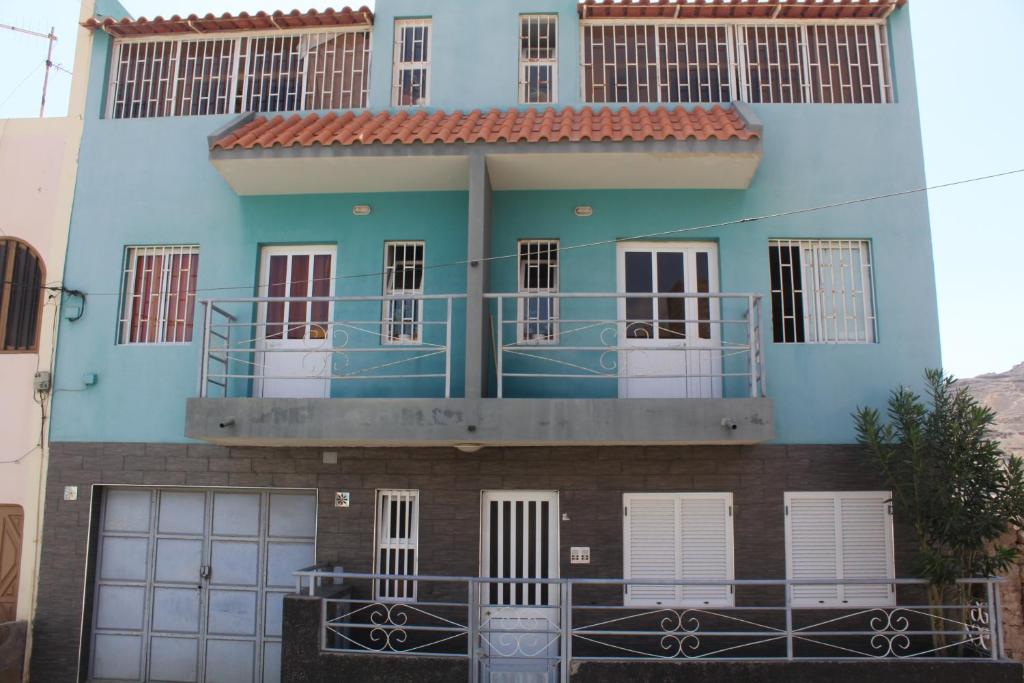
x=579 y=555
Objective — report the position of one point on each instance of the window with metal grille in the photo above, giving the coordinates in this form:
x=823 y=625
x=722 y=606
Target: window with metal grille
x=158 y=295
x=397 y=543
x=403 y=276
x=538 y=274
x=21 y=296
x=411 y=82
x=538 y=58
x=822 y=292
x=708 y=62
x=257 y=72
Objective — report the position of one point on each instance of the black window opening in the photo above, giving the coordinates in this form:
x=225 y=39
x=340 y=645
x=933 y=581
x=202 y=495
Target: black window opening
x=20 y=296
x=787 y=295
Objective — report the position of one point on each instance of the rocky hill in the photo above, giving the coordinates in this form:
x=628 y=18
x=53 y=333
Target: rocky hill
x=1004 y=393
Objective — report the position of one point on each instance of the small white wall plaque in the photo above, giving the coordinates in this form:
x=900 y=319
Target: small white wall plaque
x=342 y=499
x=70 y=493
x=579 y=555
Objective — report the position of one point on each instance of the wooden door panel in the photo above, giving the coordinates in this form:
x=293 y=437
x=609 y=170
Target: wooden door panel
x=11 y=520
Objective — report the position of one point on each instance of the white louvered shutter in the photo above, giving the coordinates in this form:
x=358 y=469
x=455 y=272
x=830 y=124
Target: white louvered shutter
x=706 y=547
x=844 y=535
x=651 y=547
x=867 y=548
x=811 y=551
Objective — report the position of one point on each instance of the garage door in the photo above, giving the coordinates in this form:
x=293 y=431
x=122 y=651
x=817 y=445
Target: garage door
x=190 y=583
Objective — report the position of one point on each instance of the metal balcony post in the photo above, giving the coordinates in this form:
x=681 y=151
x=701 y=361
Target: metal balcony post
x=473 y=607
x=500 y=355
x=789 y=621
x=448 y=352
x=204 y=350
x=996 y=619
x=566 y=649
x=751 y=335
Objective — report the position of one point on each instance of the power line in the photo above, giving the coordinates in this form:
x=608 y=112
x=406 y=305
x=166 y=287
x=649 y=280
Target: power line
x=23 y=81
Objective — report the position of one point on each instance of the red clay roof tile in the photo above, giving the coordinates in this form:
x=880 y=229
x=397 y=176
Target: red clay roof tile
x=514 y=126
x=727 y=9
x=243 y=21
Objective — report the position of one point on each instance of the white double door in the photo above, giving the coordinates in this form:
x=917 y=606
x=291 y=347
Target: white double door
x=190 y=583
x=294 y=337
x=519 y=621
x=670 y=345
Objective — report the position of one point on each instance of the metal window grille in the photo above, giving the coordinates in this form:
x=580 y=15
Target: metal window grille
x=822 y=292
x=398 y=536
x=763 y=62
x=21 y=295
x=403 y=275
x=538 y=274
x=538 y=59
x=411 y=78
x=158 y=295
x=256 y=72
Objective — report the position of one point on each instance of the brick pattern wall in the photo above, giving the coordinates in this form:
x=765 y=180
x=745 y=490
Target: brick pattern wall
x=591 y=482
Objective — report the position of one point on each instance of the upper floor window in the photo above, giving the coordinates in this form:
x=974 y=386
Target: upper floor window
x=538 y=275
x=403 y=277
x=707 y=62
x=262 y=72
x=822 y=292
x=21 y=296
x=411 y=82
x=538 y=58
x=158 y=295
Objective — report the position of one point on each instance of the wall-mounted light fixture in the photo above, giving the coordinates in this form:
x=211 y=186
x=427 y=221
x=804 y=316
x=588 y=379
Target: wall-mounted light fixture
x=584 y=211
x=362 y=210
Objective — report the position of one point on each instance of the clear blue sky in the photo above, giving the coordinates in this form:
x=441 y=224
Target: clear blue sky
x=972 y=99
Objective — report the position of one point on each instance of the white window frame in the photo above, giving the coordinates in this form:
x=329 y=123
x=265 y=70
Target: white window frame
x=827 y=285
x=394 y=296
x=399 y=66
x=401 y=590
x=883 y=498
x=527 y=62
x=553 y=277
x=130 y=259
x=628 y=498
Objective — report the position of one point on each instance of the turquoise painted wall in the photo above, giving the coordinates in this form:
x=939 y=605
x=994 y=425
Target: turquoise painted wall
x=150 y=182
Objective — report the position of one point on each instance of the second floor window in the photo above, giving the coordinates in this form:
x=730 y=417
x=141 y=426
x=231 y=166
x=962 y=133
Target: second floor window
x=538 y=275
x=21 y=296
x=158 y=295
x=822 y=292
x=403 y=277
x=411 y=82
x=264 y=72
x=538 y=59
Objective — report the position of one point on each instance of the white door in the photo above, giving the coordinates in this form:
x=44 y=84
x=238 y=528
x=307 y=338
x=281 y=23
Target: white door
x=672 y=346
x=519 y=622
x=190 y=583
x=294 y=337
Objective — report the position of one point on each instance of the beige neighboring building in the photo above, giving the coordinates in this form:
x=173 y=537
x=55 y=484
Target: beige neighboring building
x=38 y=165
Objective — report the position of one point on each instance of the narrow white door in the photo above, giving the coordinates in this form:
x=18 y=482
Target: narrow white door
x=519 y=622
x=672 y=345
x=294 y=337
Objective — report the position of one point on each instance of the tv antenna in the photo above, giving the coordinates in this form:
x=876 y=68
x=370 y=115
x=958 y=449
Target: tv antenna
x=52 y=38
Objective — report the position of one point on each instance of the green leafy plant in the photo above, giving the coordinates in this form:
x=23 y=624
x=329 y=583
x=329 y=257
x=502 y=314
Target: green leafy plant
x=950 y=480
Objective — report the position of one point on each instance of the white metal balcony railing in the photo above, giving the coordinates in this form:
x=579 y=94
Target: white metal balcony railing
x=770 y=61
x=256 y=72
x=328 y=347
x=587 y=620
x=630 y=345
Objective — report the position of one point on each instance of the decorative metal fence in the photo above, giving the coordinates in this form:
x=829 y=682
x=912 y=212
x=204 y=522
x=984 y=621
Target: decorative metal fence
x=697 y=345
x=772 y=62
x=326 y=347
x=587 y=620
x=260 y=72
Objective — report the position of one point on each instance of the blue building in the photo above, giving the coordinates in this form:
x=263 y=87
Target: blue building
x=530 y=290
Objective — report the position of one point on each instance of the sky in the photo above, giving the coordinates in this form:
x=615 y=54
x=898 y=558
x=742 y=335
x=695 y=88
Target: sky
x=971 y=98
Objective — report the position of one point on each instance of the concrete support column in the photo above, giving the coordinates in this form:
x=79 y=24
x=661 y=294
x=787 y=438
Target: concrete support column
x=478 y=247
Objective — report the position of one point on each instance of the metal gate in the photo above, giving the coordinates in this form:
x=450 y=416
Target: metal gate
x=190 y=583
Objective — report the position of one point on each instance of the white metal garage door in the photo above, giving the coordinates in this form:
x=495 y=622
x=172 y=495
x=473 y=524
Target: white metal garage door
x=190 y=582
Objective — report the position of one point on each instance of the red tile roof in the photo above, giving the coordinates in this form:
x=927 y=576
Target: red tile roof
x=212 y=23
x=724 y=9
x=530 y=126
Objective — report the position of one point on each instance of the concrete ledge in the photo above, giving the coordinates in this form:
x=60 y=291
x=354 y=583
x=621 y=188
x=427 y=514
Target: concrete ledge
x=487 y=422
x=854 y=671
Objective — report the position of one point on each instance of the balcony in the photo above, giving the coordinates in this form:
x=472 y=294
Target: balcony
x=551 y=368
